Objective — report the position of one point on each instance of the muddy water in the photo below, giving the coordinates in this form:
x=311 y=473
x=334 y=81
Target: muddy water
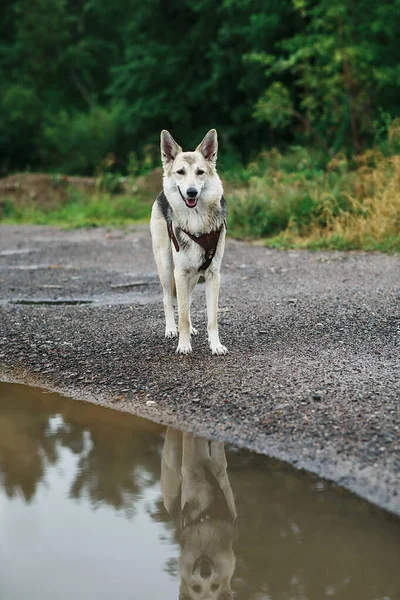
x=95 y=504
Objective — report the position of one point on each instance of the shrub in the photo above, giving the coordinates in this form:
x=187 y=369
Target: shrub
x=349 y=205
x=78 y=142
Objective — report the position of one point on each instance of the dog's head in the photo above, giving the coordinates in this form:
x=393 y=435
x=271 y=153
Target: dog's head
x=190 y=177
x=207 y=577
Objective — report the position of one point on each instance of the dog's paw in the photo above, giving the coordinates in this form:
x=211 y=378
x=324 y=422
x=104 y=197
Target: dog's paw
x=193 y=331
x=171 y=333
x=220 y=349
x=184 y=349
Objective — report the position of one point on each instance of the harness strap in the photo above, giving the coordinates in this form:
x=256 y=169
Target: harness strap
x=208 y=241
x=172 y=236
x=218 y=509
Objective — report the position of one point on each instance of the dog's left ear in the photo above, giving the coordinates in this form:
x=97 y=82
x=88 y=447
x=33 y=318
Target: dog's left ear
x=209 y=146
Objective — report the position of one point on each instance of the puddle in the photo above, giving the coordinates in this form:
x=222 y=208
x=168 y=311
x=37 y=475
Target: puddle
x=17 y=252
x=97 y=504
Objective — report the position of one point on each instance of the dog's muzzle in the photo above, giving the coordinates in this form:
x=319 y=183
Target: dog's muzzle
x=205 y=566
x=191 y=197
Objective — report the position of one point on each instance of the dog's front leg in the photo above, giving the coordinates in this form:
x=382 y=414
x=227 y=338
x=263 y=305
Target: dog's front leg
x=185 y=282
x=171 y=468
x=212 y=292
x=195 y=460
x=219 y=469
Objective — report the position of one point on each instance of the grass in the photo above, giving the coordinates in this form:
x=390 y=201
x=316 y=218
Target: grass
x=343 y=207
x=80 y=210
x=292 y=200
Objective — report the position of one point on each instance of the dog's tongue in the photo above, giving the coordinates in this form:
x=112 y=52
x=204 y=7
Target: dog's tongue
x=190 y=202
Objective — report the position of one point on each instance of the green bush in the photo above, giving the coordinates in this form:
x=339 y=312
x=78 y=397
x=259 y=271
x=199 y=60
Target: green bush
x=7 y=209
x=77 y=142
x=20 y=118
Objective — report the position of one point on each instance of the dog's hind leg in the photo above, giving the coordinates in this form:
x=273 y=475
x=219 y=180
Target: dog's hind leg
x=212 y=292
x=165 y=270
x=165 y=267
x=166 y=274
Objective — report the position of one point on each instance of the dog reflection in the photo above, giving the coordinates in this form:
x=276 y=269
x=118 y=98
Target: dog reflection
x=196 y=491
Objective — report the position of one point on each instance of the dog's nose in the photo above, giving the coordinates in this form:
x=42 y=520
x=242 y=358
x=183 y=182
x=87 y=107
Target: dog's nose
x=191 y=192
x=205 y=569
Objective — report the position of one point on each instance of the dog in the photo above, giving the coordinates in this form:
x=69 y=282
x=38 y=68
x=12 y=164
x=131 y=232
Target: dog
x=196 y=490
x=188 y=228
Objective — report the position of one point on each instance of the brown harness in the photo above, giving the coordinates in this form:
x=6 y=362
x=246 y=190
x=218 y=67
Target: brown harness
x=208 y=241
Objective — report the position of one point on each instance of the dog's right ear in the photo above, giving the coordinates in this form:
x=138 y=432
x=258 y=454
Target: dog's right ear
x=169 y=147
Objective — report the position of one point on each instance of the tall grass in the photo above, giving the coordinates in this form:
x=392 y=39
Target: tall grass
x=370 y=219
x=348 y=205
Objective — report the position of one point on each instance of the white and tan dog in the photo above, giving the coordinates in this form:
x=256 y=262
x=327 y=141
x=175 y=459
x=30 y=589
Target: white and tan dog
x=188 y=228
x=196 y=491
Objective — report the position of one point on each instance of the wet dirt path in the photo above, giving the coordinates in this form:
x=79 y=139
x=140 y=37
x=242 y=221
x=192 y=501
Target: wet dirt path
x=312 y=375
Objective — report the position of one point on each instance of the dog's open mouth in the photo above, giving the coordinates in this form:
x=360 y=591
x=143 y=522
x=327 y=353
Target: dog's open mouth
x=204 y=563
x=190 y=202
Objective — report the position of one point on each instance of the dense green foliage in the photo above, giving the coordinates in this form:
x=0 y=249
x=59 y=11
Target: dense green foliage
x=287 y=200
x=82 y=79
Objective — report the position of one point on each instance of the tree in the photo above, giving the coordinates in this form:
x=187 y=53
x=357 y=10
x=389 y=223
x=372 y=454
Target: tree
x=337 y=68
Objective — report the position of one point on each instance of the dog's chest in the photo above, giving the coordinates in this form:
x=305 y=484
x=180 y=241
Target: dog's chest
x=198 y=251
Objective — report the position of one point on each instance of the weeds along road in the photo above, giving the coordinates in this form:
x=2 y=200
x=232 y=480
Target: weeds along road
x=312 y=375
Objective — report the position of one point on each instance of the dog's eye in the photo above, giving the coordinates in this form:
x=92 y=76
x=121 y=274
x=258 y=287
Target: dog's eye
x=200 y=172
x=196 y=589
x=181 y=172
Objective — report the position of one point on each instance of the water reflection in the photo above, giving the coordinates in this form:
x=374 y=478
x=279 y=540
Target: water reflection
x=117 y=458
x=296 y=536
x=197 y=494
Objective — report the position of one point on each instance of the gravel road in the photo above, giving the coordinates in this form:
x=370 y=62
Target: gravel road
x=312 y=375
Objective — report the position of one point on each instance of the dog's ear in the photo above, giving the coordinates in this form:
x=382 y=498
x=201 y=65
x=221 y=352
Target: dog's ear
x=169 y=147
x=209 y=146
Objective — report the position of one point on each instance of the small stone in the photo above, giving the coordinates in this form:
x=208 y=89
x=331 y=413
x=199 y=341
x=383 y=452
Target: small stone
x=150 y=403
